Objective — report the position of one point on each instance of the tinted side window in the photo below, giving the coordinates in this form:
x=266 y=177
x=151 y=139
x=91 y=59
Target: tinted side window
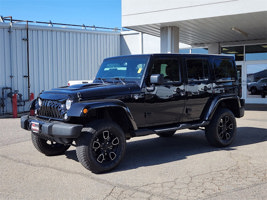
x=169 y=68
x=197 y=70
x=263 y=81
x=224 y=69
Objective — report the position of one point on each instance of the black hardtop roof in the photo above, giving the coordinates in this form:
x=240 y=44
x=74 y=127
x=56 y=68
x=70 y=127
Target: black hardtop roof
x=173 y=55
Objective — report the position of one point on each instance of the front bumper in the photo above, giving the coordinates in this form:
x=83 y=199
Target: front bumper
x=51 y=129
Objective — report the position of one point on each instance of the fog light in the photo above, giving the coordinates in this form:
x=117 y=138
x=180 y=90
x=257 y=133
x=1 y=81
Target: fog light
x=66 y=116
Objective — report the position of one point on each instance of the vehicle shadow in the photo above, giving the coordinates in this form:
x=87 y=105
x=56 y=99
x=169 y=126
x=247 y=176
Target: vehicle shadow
x=156 y=150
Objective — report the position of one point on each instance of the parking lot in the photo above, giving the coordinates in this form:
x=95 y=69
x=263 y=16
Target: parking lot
x=181 y=167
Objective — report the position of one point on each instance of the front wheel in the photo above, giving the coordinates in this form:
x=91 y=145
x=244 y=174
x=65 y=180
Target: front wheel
x=254 y=91
x=48 y=147
x=101 y=146
x=222 y=129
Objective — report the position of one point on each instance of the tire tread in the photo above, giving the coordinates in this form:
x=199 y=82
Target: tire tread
x=211 y=129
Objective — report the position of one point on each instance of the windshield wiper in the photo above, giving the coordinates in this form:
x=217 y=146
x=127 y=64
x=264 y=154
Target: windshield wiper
x=101 y=79
x=119 y=79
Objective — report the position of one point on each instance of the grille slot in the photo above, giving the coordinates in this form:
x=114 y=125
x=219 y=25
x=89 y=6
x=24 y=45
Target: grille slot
x=51 y=109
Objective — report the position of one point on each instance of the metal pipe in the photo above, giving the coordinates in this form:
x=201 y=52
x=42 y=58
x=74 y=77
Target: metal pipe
x=3 y=98
x=10 y=51
x=28 y=60
x=61 y=24
x=10 y=17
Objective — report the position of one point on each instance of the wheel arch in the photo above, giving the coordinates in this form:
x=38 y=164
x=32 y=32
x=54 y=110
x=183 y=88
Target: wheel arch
x=111 y=109
x=119 y=115
x=233 y=103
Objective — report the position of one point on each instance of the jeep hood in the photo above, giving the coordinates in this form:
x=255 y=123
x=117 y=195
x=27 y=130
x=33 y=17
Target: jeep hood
x=91 y=91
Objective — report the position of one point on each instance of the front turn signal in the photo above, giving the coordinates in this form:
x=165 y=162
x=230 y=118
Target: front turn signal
x=85 y=111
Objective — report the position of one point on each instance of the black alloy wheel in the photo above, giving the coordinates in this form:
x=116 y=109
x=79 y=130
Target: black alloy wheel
x=222 y=129
x=101 y=146
x=105 y=147
x=225 y=128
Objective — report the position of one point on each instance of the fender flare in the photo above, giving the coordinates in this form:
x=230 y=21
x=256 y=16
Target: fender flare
x=32 y=104
x=208 y=114
x=76 y=109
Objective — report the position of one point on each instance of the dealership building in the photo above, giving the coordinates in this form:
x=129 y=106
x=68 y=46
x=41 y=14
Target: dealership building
x=38 y=56
x=234 y=27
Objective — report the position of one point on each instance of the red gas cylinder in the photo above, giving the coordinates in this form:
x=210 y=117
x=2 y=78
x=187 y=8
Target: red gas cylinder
x=31 y=98
x=15 y=106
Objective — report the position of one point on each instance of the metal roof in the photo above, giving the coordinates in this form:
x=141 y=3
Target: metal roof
x=230 y=28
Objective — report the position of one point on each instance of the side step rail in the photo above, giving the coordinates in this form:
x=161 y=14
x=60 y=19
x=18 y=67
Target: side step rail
x=144 y=132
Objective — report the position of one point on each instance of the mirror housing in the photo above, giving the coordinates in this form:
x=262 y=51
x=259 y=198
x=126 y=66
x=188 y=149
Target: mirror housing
x=157 y=79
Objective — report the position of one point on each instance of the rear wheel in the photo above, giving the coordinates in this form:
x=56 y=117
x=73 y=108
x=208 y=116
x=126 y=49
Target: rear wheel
x=222 y=129
x=101 y=146
x=48 y=147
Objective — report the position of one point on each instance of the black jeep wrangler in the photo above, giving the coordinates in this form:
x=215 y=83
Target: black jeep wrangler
x=134 y=96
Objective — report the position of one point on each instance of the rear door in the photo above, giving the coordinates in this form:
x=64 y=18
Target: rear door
x=197 y=86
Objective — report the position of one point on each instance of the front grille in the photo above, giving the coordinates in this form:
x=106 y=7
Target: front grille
x=52 y=109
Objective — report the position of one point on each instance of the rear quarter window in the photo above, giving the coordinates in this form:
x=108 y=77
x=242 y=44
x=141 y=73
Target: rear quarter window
x=224 y=69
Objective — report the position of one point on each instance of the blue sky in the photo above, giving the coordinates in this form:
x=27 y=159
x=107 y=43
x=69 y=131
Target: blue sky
x=106 y=13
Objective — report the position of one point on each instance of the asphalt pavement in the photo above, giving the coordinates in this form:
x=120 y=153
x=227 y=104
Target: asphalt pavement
x=182 y=167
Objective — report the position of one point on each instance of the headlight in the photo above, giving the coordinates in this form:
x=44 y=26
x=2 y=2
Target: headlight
x=68 y=104
x=40 y=102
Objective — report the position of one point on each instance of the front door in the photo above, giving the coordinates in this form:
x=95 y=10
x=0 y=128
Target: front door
x=164 y=104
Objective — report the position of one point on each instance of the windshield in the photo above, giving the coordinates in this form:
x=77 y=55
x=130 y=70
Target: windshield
x=123 y=69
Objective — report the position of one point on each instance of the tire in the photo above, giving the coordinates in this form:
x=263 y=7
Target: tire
x=222 y=129
x=254 y=90
x=101 y=147
x=48 y=147
x=166 y=134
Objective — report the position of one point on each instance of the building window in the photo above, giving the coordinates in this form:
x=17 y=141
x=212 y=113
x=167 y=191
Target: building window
x=256 y=52
x=236 y=51
x=185 y=51
x=256 y=80
x=194 y=50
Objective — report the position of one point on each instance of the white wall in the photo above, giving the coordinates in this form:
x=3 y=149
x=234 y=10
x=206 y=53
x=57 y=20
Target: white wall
x=56 y=55
x=140 y=12
x=133 y=42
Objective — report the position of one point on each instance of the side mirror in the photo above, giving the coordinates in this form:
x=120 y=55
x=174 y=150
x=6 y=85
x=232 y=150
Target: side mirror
x=156 y=79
